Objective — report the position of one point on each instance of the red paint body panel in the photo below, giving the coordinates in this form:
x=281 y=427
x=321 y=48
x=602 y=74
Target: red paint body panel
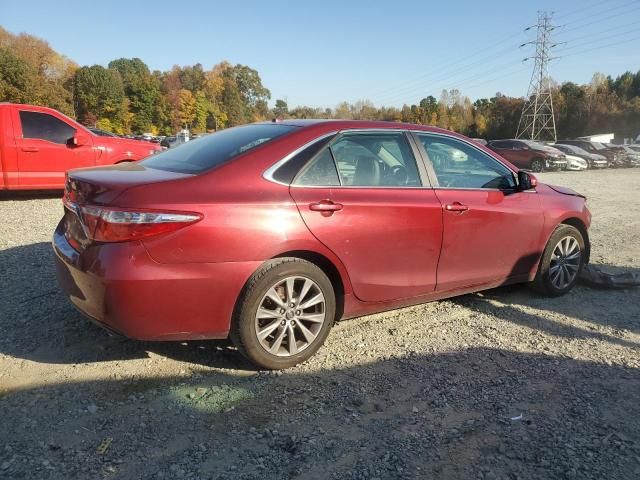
x=390 y=247
x=389 y=239
x=499 y=236
x=37 y=164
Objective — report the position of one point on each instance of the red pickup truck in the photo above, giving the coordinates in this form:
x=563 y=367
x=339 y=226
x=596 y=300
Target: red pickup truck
x=38 y=145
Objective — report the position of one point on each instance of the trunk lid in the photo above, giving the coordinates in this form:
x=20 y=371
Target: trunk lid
x=103 y=186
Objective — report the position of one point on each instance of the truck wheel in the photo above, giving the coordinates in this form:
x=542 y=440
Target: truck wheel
x=284 y=313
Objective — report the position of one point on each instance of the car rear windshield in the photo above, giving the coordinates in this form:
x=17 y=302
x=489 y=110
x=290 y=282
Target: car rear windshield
x=215 y=149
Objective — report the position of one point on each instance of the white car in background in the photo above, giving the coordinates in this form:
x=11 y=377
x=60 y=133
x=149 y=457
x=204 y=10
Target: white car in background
x=576 y=163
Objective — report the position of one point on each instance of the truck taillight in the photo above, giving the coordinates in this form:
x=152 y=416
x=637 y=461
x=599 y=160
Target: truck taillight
x=107 y=224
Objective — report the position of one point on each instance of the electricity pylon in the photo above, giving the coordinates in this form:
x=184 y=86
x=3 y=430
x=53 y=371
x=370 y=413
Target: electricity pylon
x=537 y=121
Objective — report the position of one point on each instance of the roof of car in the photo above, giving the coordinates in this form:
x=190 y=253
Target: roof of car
x=356 y=124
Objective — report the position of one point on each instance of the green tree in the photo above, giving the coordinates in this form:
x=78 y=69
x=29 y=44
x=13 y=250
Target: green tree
x=19 y=81
x=141 y=88
x=281 y=109
x=99 y=94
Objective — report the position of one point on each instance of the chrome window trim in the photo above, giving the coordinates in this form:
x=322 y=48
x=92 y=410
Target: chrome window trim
x=268 y=174
x=470 y=144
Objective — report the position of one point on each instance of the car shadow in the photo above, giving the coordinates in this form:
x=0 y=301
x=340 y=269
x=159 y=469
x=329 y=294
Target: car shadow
x=18 y=195
x=474 y=413
x=39 y=323
x=596 y=310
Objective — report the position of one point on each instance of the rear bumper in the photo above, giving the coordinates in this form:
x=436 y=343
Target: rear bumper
x=122 y=289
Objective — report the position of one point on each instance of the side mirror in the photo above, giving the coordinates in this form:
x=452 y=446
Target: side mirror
x=79 y=139
x=526 y=181
x=524 y=147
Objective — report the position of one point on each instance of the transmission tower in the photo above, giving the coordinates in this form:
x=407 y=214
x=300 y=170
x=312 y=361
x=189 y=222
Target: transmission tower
x=537 y=121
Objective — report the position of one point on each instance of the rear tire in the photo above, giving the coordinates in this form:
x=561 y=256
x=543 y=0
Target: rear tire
x=561 y=262
x=284 y=313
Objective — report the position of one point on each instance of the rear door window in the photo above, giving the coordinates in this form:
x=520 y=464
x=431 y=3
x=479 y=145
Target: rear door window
x=375 y=160
x=43 y=126
x=215 y=149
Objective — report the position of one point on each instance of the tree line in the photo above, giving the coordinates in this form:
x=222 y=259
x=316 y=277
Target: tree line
x=127 y=97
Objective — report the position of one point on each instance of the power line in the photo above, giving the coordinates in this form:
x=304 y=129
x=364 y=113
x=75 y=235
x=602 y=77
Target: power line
x=596 y=40
x=404 y=92
x=584 y=8
x=591 y=34
x=602 y=46
x=456 y=64
x=600 y=18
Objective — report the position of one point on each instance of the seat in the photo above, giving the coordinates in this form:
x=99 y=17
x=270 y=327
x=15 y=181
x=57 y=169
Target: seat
x=367 y=172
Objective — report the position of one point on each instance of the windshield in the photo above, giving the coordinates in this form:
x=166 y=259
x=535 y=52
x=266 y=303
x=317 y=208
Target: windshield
x=572 y=148
x=212 y=150
x=537 y=145
x=598 y=146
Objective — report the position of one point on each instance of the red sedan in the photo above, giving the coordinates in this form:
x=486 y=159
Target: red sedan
x=270 y=232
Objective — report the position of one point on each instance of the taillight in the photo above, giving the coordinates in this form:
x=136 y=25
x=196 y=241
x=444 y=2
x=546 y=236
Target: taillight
x=108 y=224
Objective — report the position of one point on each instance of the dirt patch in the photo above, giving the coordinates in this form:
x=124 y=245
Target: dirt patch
x=497 y=385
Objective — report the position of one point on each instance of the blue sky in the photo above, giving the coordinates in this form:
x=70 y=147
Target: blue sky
x=320 y=53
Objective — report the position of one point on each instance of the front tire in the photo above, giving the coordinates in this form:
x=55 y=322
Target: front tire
x=284 y=313
x=537 y=165
x=561 y=262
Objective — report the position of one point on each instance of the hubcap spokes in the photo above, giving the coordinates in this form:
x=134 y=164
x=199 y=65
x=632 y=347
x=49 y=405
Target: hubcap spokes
x=290 y=316
x=565 y=262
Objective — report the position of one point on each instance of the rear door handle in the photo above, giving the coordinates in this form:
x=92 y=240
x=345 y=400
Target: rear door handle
x=457 y=207
x=325 y=206
x=30 y=149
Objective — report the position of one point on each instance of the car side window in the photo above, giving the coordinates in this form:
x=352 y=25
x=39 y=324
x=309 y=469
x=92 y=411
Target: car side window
x=320 y=171
x=460 y=165
x=377 y=159
x=45 y=127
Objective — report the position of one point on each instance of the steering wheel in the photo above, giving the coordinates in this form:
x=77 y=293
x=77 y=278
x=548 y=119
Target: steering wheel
x=399 y=175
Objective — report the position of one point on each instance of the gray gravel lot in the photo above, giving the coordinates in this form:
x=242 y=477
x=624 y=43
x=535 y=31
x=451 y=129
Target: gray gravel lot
x=499 y=385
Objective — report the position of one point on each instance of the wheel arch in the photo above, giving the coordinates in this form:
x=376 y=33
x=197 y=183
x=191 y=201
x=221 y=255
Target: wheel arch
x=330 y=270
x=582 y=228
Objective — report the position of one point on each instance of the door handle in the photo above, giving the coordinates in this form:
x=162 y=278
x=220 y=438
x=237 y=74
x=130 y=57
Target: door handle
x=457 y=207
x=325 y=206
x=30 y=149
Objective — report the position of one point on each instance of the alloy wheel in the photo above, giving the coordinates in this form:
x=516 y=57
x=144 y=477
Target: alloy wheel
x=537 y=166
x=565 y=262
x=290 y=316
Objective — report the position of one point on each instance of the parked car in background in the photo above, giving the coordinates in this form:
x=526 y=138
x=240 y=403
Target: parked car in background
x=612 y=156
x=529 y=155
x=635 y=147
x=576 y=163
x=593 y=160
x=170 y=141
x=270 y=232
x=630 y=157
x=38 y=145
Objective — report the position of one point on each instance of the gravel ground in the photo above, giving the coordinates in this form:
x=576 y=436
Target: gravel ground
x=499 y=385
